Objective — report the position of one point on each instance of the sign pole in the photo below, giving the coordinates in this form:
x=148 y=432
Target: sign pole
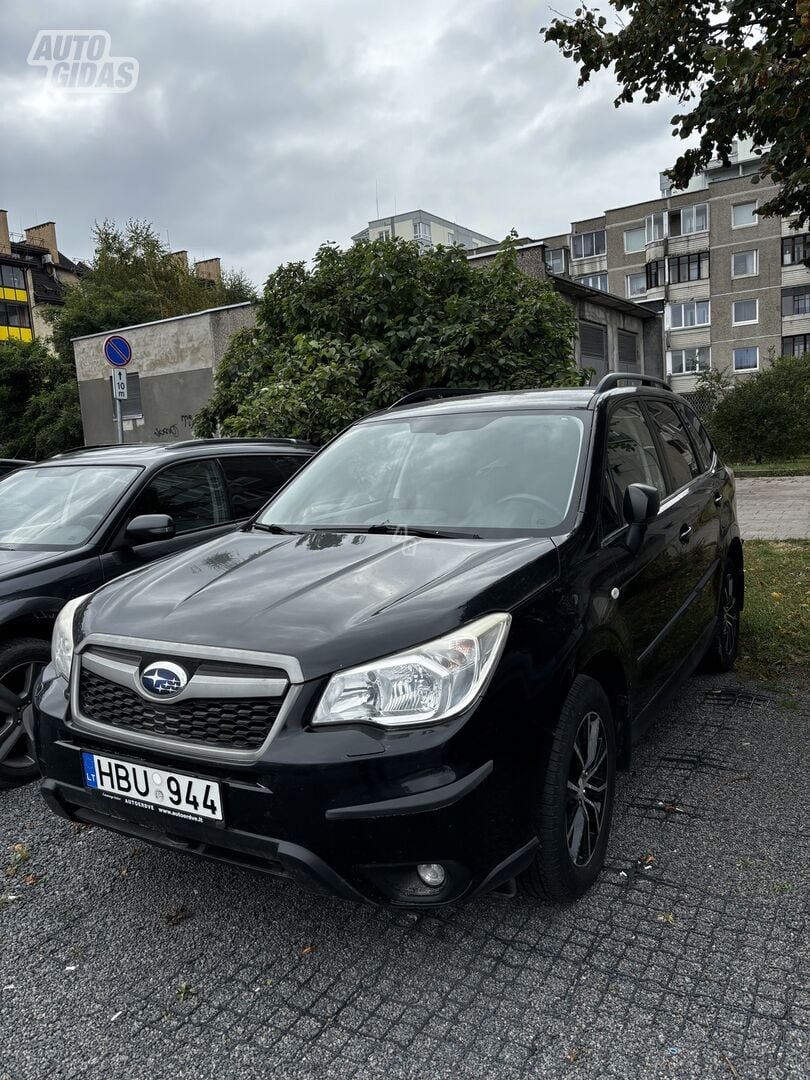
x=118 y=353
x=119 y=423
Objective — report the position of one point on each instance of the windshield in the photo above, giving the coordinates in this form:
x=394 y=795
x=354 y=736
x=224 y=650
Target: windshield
x=469 y=473
x=59 y=506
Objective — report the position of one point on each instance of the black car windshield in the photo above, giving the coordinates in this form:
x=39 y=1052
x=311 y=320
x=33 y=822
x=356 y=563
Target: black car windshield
x=468 y=473
x=58 y=506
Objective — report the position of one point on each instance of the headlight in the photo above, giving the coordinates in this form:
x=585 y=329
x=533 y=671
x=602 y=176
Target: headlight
x=62 y=641
x=420 y=686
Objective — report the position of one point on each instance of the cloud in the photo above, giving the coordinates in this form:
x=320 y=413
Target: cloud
x=258 y=130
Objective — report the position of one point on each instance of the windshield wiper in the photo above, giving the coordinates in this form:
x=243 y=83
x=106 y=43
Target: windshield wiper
x=273 y=528
x=384 y=528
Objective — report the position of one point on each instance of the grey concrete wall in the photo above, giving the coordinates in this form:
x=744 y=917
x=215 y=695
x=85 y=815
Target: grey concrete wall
x=169 y=402
x=175 y=361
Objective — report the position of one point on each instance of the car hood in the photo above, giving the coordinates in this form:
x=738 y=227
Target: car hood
x=329 y=599
x=19 y=560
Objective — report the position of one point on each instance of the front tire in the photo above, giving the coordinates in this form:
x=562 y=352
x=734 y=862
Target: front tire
x=21 y=661
x=574 y=803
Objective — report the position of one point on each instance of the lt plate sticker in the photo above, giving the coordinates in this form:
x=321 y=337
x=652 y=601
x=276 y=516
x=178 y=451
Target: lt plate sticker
x=171 y=793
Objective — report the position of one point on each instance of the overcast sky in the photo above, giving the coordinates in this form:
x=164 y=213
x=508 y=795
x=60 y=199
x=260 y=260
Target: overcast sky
x=258 y=130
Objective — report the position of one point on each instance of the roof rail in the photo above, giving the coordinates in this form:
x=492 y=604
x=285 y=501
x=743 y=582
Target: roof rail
x=225 y=441
x=434 y=393
x=612 y=380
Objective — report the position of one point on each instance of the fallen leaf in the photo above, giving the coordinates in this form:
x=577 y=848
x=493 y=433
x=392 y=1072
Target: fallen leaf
x=670 y=808
x=21 y=853
x=649 y=860
x=776 y=595
x=666 y=917
x=185 y=990
x=307 y=950
x=31 y=879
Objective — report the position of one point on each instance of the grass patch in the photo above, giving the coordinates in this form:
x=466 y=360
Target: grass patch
x=775 y=630
x=794 y=467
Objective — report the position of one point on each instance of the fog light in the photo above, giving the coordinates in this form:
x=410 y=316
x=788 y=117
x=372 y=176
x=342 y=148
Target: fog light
x=432 y=873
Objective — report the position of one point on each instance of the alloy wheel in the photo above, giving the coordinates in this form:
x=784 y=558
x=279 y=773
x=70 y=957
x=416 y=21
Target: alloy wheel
x=729 y=617
x=587 y=789
x=16 y=692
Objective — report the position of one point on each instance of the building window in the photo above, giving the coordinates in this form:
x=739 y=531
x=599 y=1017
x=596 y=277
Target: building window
x=14 y=315
x=587 y=244
x=131 y=408
x=594 y=281
x=635 y=239
x=593 y=347
x=744 y=263
x=656 y=274
x=555 y=260
x=636 y=284
x=795 y=249
x=656 y=227
x=691 y=313
x=688 y=267
x=421 y=231
x=12 y=277
x=746 y=358
x=797 y=345
x=384 y=234
x=743 y=214
x=744 y=311
x=628 y=350
x=796 y=301
x=451 y=238
x=690 y=219
x=690 y=361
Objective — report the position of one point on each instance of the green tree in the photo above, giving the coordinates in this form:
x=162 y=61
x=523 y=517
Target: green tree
x=132 y=278
x=739 y=68
x=768 y=415
x=364 y=326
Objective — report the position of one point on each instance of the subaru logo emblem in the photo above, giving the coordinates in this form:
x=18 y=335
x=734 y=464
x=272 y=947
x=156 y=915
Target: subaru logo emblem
x=163 y=679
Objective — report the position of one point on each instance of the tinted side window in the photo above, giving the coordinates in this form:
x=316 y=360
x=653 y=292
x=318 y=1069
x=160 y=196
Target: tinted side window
x=631 y=454
x=700 y=438
x=190 y=492
x=678 y=451
x=252 y=480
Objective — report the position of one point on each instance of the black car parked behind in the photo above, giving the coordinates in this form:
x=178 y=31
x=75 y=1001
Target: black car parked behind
x=83 y=518
x=412 y=677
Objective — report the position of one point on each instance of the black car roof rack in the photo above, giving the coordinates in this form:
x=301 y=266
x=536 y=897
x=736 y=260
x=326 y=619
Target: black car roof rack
x=435 y=393
x=612 y=380
x=230 y=441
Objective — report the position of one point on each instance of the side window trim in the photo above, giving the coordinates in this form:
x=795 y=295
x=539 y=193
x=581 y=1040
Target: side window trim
x=670 y=499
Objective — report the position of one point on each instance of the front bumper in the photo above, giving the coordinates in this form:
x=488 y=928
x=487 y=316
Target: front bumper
x=354 y=827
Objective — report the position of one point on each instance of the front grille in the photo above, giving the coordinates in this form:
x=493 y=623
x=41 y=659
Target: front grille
x=239 y=723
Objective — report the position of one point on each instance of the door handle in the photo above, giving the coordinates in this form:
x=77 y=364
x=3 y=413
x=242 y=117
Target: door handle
x=718 y=498
x=685 y=533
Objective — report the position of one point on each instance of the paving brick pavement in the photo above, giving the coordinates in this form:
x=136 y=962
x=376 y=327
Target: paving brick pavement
x=774 y=507
x=689 y=959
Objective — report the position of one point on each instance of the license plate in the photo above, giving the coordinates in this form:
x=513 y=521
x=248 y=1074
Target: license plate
x=170 y=792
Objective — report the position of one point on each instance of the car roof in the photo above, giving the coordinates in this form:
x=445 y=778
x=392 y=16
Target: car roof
x=150 y=453
x=562 y=398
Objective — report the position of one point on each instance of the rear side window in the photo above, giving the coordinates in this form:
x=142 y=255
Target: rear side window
x=700 y=439
x=680 y=457
x=632 y=458
x=191 y=493
x=252 y=480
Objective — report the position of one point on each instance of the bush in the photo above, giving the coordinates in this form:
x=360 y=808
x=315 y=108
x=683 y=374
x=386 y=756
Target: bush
x=766 y=416
x=367 y=325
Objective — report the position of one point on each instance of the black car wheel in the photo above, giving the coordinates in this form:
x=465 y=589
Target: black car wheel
x=20 y=663
x=722 y=652
x=575 y=801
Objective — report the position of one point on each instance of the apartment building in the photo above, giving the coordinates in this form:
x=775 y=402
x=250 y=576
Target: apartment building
x=731 y=286
x=33 y=275
x=427 y=229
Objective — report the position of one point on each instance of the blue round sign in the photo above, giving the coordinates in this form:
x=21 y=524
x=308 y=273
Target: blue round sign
x=118 y=351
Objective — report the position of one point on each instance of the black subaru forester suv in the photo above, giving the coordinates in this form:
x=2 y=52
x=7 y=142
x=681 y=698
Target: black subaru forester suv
x=412 y=677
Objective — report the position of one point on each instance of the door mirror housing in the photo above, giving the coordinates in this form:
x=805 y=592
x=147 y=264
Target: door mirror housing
x=149 y=527
x=641 y=506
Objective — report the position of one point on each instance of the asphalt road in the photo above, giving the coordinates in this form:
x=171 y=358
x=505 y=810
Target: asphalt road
x=689 y=958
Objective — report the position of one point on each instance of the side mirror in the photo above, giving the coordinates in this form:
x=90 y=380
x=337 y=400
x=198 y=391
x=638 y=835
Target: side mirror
x=148 y=527
x=641 y=505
